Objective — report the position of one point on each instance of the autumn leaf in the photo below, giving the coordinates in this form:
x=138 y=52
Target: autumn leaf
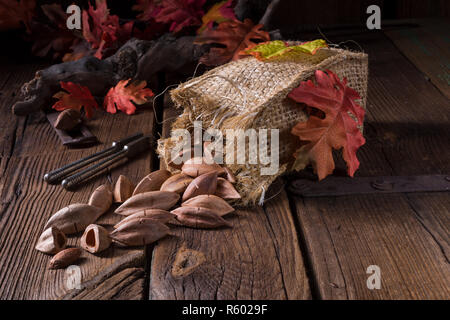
x=335 y=131
x=232 y=37
x=13 y=13
x=149 y=9
x=123 y=95
x=52 y=35
x=76 y=97
x=102 y=30
x=180 y=13
x=274 y=49
x=220 y=12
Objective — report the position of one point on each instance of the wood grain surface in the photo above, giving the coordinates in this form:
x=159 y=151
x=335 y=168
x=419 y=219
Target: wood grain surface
x=407 y=236
x=31 y=148
x=292 y=247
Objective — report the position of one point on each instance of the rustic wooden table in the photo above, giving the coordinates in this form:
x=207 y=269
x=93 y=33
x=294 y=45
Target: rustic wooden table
x=291 y=248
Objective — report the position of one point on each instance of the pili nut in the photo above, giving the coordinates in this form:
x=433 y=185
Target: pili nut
x=137 y=232
x=226 y=190
x=203 y=184
x=177 y=161
x=149 y=200
x=177 y=183
x=95 y=239
x=152 y=182
x=123 y=189
x=64 y=258
x=211 y=202
x=159 y=215
x=202 y=218
x=186 y=261
x=229 y=175
x=74 y=218
x=195 y=167
x=51 y=241
x=102 y=198
x=68 y=119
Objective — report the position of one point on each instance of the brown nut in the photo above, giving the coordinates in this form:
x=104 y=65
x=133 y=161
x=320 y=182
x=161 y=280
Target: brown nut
x=51 y=241
x=152 y=181
x=64 y=258
x=95 y=239
x=176 y=183
x=203 y=184
x=123 y=189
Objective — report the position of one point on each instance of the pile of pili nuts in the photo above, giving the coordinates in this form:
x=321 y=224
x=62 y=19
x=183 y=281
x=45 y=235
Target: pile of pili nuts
x=195 y=197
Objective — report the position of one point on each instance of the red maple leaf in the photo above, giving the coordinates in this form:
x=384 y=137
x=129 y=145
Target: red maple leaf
x=102 y=30
x=180 y=13
x=219 y=12
x=338 y=129
x=232 y=37
x=121 y=96
x=13 y=13
x=76 y=97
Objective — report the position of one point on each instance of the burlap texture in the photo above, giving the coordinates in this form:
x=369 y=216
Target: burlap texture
x=249 y=93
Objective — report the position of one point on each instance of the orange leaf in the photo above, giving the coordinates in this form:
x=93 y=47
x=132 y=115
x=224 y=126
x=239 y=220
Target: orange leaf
x=78 y=97
x=220 y=12
x=233 y=36
x=338 y=129
x=120 y=96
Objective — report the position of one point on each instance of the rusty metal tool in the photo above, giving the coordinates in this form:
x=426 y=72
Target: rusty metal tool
x=59 y=174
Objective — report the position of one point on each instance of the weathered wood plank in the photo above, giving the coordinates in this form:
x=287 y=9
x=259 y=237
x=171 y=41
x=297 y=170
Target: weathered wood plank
x=27 y=203
x=259 y=258
x=427 y=46
x=405 y=235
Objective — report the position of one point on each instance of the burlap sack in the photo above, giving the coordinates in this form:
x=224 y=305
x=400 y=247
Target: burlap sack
x=249 y=93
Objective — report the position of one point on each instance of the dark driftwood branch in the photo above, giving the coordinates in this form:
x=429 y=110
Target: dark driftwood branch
x=268 y=14
x=137 y=59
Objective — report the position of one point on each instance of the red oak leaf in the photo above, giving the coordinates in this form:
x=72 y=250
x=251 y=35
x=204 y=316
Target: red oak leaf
x=338 y=129
x=77 y=97
x=121 y=96
x=232 y=36
x=52 y=35
x=180 y=13
x=149 y=9
x=103 y=31
x=13 y=13
x=220 y=12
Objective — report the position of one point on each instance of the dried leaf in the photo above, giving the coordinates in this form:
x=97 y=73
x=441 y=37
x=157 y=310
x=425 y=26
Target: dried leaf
x=78 y=96
x=152 y=182
x=124 y=93
x=203 y=218
x=210 y=202
x=149 y=9
x=203 y=184
x=139 y=232
x=149 y=200
x=52 y=35
x=103 y=31
x=337 y=130
x=219 y=12
x=180 y=13
x=275 y=49
x=232 y=37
